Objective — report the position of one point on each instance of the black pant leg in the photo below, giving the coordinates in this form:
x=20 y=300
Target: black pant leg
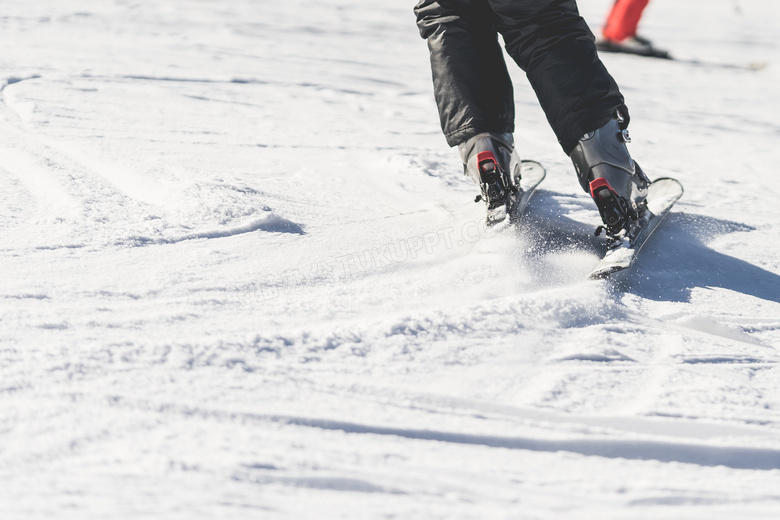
x=551 y=42
x=471 y=84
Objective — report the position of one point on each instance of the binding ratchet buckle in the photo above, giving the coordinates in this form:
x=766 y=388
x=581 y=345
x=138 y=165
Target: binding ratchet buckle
x=491 y=176
x=613 y=209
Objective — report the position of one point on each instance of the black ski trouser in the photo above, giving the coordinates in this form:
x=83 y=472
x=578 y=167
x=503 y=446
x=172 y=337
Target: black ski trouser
x=548 y=39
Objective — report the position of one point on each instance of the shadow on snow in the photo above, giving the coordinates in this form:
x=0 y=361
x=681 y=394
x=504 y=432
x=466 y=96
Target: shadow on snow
x=675 y=261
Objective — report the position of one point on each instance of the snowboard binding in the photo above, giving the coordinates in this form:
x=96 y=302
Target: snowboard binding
x=616 y=183
x=497 y=192
x=487 y=159
x=619 y=217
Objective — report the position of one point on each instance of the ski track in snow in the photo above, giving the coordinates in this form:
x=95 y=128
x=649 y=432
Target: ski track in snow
x=243 y=277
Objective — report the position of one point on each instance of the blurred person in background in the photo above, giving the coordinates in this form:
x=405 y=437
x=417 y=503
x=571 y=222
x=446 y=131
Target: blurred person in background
x=620 y=29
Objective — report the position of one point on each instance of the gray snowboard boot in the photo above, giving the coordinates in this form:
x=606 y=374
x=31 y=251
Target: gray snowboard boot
x=606 y=170
x=491 y=161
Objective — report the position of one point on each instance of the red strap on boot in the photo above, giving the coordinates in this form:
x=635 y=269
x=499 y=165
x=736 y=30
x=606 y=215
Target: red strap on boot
x=486 y=157
x=599 y=183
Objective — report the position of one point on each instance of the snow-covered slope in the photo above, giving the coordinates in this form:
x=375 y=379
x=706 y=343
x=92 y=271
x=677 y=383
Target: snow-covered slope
x=242 y=277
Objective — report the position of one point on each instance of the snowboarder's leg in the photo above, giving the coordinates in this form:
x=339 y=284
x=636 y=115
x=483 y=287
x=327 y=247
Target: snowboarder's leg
x=474 y=95
x=471 y=84
x=551 y=42
x=623 y=19
x=555 y=47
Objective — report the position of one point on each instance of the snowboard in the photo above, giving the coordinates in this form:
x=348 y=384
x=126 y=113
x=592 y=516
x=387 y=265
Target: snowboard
x=662 y=195
x=532 y=173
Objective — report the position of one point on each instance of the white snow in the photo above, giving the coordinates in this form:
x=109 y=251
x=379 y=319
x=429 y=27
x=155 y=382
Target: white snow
x=242 y=277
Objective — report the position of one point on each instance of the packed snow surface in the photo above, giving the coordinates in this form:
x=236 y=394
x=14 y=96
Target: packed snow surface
x=243 y=276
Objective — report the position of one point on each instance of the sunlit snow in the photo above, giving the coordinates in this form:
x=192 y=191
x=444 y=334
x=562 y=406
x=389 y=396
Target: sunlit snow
x=243 y=276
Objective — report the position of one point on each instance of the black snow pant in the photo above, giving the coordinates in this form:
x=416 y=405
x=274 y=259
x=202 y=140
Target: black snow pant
x=548 y=39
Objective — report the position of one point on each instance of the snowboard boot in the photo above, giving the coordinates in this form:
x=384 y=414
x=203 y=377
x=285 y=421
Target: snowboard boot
x=491 y=161
x=606 y=170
